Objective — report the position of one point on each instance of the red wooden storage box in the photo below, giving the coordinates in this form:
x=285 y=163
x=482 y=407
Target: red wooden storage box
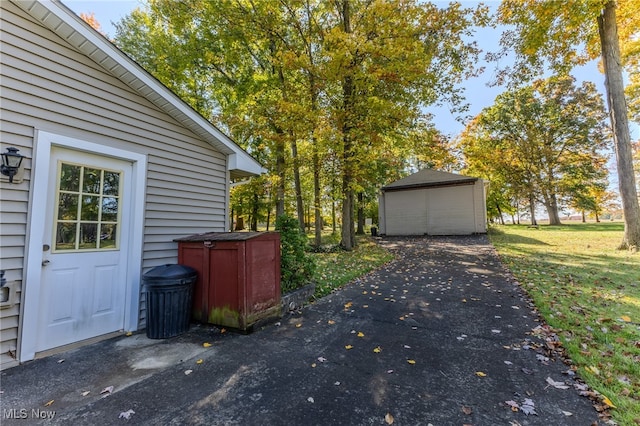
x=238 y=276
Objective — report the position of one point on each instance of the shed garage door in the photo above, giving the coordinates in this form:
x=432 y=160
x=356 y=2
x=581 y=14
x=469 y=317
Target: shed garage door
x=450 y=210
x=405 y=212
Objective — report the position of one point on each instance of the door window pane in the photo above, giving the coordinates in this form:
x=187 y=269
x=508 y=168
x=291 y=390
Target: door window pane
x=88 y=204
x=70 y=178
x=111 y=183
x=91 y=181
x=109 y=209
x=66 y=236
x=108 y=236
x=68 y=206
x=88 y=236
x=89 y=210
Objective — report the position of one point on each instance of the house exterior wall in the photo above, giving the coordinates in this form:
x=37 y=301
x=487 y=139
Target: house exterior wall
x=48 y=86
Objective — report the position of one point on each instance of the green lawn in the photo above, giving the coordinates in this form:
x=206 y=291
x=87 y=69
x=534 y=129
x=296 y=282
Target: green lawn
x=337 y=268
x=590 y=294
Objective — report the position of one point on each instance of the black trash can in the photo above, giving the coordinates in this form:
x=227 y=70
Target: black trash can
x=374 y=231
x=168 y=290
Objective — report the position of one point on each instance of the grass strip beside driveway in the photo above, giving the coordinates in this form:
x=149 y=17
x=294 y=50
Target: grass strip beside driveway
x=589 y=293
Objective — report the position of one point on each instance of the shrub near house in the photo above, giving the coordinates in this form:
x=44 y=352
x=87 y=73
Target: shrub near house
x=297 y=266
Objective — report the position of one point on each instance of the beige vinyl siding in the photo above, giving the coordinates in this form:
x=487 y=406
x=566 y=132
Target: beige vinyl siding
x=46 y=85
x=479 y=197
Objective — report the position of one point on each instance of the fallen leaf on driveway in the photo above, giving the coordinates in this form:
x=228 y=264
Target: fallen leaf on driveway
x=360 y=334
x=187 y=372
x=348 y=347
x=126 y=414
x=514 y=405
x=467 y=410
x=310 y=399
x=557 y=385
x=206 y=344
x=480 y=374
x=107 y=390
x=388 y=418
x=528 y=407
x=200 y=361
x=411 y=361
x=49 y=403
x=377 y=349
x=331 y=322
x=85 y=393
x=567 y=413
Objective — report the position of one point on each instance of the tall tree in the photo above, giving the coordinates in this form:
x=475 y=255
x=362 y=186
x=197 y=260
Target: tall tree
x=332 y=82
x=391 y=59
x=548 y=136
x=554 y=32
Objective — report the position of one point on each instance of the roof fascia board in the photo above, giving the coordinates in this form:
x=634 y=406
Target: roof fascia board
x=469 y=181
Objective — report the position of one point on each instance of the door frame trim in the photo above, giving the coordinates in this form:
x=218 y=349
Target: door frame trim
x=31 y=291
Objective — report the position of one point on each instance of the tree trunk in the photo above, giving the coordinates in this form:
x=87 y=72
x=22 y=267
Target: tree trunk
x=280 y=172
x=584 y=217
x=297 y=184
x=239 y=223
x=614 y=85
x=254 y=213
x=360 y=230
x=334 y=217
x=348 y=232
x=597 y=216
x=500 y=213
x=268 y=217
x=532 y=210
x=317 y=202
x=551 y=204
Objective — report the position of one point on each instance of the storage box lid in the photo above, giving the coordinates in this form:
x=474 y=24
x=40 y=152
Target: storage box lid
x=222 y=236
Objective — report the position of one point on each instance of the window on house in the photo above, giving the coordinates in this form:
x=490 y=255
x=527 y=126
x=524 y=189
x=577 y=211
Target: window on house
x=88 y=208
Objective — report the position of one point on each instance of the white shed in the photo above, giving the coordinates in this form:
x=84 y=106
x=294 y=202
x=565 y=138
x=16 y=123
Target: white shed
x=432 y=202
x=115 y=167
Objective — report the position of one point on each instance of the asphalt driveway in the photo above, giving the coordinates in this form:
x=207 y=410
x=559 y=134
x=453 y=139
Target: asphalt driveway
x=443 y=336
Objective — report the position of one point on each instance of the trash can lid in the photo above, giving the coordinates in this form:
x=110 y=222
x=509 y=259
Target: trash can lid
x=169 y=272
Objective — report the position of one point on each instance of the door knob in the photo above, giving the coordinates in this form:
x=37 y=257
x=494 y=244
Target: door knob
x=45 y=262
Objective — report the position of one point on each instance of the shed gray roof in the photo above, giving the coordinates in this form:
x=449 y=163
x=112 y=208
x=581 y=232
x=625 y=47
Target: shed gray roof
x=429 y=178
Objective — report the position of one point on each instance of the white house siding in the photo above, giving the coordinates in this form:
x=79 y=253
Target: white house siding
x=46 y=85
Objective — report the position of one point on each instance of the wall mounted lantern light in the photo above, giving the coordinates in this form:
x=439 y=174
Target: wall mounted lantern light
x=11 y=161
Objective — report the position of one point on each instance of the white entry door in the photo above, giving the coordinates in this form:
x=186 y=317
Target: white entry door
x=85 y=252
